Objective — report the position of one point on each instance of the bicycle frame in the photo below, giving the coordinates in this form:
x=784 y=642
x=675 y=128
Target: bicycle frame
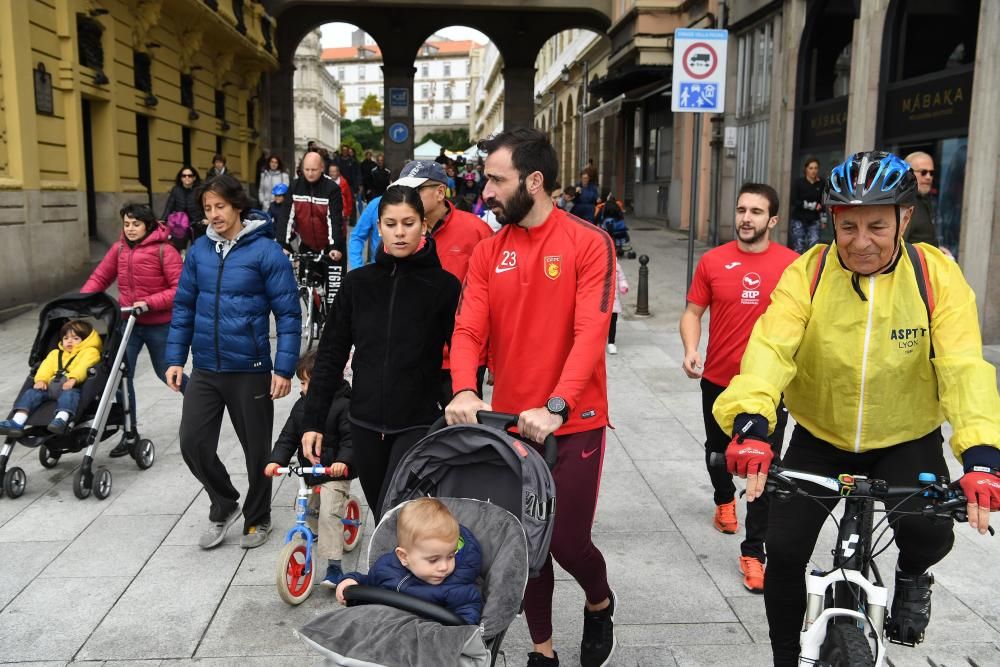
x=855 y=596
x=301 y=527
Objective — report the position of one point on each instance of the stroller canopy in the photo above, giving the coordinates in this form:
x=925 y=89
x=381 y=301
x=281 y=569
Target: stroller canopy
x=484 y=463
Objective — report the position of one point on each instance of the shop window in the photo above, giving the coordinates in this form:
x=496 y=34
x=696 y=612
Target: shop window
x=755 y=58
x=930 y=37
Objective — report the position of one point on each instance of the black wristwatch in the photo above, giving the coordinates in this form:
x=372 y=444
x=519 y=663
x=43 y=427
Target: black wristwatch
x=557 y=406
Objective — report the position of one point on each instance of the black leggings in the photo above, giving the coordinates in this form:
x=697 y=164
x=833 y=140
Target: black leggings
x=376 y=456
x=613 y=329
x=794 y=526
x=716 y=441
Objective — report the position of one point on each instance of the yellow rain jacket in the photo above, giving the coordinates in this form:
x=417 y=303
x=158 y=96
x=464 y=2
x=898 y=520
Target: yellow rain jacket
x=859 y=374
x=75 y=363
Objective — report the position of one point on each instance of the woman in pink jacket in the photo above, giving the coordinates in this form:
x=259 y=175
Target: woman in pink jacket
x=147 y=268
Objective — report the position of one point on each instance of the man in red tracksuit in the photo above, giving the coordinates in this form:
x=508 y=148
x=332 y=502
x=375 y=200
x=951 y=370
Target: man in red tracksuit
x=316 y=218
x=540 y=292
x=456 y=234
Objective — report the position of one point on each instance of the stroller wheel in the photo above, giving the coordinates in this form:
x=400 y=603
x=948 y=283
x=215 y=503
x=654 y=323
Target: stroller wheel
x=47 y=457
x=102 y=483
x=14 y=482
x=82 y=483
x=144 y=453
x=353 y=525
x=295 y=574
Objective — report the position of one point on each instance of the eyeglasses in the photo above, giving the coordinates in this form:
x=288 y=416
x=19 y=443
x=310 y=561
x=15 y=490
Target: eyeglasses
x=925 y=172
x=187 y=175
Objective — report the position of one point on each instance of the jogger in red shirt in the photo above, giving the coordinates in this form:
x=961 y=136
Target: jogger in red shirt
x=539 y=293
x=735 y=281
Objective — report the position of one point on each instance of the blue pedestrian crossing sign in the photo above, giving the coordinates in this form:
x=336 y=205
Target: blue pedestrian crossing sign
x=398 y=132
x=699 y=71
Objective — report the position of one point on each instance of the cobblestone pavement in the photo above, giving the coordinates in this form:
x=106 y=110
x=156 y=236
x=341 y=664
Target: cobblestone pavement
x=121 y=581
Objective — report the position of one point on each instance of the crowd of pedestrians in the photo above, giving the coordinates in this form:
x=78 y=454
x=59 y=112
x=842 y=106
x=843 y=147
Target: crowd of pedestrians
x=437 y=303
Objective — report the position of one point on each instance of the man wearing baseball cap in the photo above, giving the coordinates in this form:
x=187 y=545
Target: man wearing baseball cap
x=455 y=235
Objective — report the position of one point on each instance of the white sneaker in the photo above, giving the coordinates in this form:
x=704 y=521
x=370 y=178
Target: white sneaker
x=612 y=348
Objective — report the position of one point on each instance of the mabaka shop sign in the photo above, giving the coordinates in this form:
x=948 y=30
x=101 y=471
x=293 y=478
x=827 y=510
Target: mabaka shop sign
x=937 y=105
x=824 y=124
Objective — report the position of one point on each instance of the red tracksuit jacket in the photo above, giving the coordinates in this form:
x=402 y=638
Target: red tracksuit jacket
x=455 y=237
x=542 y=297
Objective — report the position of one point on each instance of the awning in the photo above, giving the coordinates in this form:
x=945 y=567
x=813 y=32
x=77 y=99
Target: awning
x=609 y=108
x=626 y=79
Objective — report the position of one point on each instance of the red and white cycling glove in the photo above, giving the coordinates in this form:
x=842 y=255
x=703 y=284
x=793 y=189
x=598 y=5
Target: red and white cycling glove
x=982 y=488
x=749 y=451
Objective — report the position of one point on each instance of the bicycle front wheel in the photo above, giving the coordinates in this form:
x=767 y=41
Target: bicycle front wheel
x=846 y=646
x=295 y=573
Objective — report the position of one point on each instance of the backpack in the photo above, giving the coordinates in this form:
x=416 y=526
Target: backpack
x=178 y=225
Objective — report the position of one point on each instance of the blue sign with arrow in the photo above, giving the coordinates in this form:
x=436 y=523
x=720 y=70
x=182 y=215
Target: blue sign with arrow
x=398 y=132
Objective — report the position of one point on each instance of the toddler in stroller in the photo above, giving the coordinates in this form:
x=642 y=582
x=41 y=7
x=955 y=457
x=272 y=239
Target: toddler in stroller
x=437 y=560
x=94 y=371
x=58 y=377
x=501 y=490
x=613 y=222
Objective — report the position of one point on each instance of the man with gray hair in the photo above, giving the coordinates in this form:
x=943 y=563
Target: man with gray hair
x=922 y=227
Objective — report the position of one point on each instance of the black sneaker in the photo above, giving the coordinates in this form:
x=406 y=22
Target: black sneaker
x=538 y=660
x=598 y=636
x=911 y=608
x=123 y=448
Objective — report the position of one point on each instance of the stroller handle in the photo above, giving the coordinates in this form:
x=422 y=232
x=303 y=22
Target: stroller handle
x=371 y=595
x=505 y=421
x=133 y=310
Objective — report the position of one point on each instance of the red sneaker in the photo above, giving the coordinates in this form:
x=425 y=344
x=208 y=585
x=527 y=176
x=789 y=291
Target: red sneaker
x=753 y=574
x=725 y=518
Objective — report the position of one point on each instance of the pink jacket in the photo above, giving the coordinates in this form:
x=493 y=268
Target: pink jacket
x=622 y=288
x=149 y=272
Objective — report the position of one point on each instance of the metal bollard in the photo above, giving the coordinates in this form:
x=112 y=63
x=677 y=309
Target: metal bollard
x=642 y=297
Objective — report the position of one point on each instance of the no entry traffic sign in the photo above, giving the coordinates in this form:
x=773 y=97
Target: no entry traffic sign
x=699 y=82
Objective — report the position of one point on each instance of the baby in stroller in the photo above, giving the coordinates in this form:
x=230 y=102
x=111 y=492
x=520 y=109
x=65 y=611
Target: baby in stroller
x=59 y=376
x=437 y=560
x=613 y=221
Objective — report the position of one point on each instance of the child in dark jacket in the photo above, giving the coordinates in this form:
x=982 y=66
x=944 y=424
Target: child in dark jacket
x=437 y=560
x=331 y=494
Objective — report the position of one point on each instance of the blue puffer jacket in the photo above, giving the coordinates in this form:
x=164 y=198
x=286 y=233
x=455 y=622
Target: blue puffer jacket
x=222 y=308
x=457 y=593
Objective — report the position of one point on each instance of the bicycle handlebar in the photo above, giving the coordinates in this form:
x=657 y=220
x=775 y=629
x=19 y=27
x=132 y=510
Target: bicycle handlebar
x=944 y=498
x=302 y=471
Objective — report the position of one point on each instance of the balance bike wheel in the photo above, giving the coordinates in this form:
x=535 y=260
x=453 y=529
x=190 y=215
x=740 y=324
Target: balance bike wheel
x=353 y=525
x=294 y=575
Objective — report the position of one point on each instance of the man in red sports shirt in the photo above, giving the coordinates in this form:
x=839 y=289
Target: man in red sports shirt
x=540 y=292
x=455 y=233
x=735 y=280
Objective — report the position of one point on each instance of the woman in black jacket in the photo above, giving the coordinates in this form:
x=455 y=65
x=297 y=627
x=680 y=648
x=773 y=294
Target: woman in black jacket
x=182 y=200
x=398 y=313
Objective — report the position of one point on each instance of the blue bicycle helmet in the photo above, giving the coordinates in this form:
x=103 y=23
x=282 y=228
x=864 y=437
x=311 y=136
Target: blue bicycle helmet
x=280 y=189
x=869 y=179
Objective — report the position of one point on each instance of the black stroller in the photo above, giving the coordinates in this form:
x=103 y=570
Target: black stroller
x=100 y=415
x=502 y=490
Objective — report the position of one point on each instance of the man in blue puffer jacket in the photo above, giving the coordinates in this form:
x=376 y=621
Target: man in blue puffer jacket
x=234 y=277
x=437 y=561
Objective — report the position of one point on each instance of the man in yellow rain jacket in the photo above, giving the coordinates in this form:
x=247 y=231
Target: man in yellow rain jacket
x=874 y=343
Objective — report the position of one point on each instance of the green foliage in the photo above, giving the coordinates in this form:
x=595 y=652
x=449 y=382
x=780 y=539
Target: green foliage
x=371 y=106
x=362 y=133
x=453 y=140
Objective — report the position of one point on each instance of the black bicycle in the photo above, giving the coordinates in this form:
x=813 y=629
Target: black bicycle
x=311 y=271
